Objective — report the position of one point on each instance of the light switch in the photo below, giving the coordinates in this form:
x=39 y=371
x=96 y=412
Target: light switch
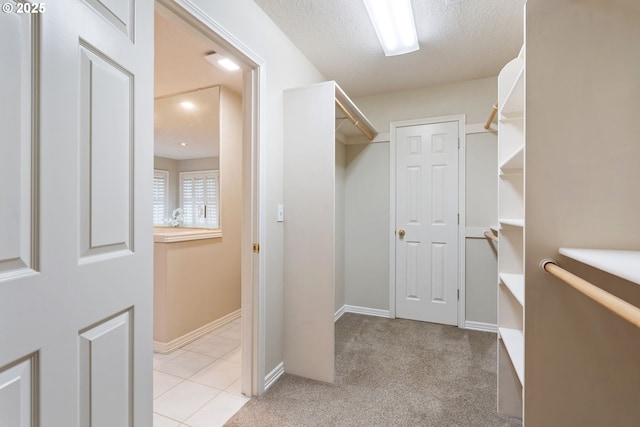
x=280 y=216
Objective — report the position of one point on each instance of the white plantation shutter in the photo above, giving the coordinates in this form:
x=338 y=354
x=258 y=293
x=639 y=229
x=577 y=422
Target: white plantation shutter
x=211 y=199
x=160 y=189
x=200 y=199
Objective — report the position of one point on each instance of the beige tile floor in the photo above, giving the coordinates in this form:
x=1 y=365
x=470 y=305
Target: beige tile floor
x=199 y=384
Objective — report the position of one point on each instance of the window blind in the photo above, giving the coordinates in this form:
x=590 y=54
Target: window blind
x=200 y=199
x=160 y=188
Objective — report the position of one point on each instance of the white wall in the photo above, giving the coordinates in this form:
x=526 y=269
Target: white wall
x=482 y=211
x=367 y=222
x=367 y=211
x=285 y=67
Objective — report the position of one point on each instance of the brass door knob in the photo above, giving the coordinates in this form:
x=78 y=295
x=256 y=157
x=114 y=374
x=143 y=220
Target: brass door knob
x=401 y=233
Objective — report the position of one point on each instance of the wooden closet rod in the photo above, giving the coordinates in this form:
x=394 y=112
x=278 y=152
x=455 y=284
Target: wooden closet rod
x=491 y=116
x=628 y=312
x=490 y=236
x=354 y=121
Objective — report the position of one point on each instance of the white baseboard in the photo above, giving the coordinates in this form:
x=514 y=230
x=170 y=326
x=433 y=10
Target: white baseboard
x=273 y=376
x=168 y=347
x=469 y=324
x=480 y=326
x=361 y=310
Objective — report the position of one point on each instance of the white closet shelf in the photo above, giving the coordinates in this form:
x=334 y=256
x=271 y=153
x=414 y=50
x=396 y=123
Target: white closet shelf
x=513 y=340
x=344 y=105
x=513 y=105
x=515 y=284
x=624 y=264
x=514 y=222
x=515 y=162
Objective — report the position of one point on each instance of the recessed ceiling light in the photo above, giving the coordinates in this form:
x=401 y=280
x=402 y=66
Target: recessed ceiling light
x=222 y=62
x=394 y=25
x=182 y=144
x=187 y=105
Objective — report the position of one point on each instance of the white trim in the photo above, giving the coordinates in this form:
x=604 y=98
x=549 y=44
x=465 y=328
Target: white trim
x=392 y=219
x=183 y=234
x=476 y=232
x=256 y=290
x=361 y=310
x=368 y=311
x=462 y=210
x=273 y=376
x=481 y=326
x=460 y=118
x=168 y=347
x=254 y=176
x=478 y=128
x=361 y=139
x=382 y=137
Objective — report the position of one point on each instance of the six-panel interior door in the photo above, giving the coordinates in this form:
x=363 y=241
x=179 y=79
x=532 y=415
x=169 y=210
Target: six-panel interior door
x=427 y=222
x=75 y=219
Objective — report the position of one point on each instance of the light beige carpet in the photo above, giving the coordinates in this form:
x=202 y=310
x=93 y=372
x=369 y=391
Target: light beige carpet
x=390 y=372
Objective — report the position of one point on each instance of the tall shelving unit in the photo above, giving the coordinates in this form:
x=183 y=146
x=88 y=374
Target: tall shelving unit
x=314 y=213
x=579 y=168
x=511 y=152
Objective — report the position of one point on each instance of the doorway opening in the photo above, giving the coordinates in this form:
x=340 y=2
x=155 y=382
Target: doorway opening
x=207 y=130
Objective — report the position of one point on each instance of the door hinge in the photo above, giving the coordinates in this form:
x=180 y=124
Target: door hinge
x=458 y=294
x=458 y=219
x=256 y=248
x=458 y=143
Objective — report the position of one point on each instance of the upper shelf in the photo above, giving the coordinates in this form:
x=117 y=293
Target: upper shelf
x=624 y=264
x=514 y=222
x=513 y=105
x=513 y=340
x=511 y=90
x=515 y=284
x=515 y=162
x=349 y=111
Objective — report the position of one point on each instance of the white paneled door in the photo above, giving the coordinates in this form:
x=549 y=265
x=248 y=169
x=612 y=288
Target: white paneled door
x=427 y=222
x=76 y=156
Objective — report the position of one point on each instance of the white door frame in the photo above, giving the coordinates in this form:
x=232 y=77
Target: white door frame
x=253 y=200
x=460 y=118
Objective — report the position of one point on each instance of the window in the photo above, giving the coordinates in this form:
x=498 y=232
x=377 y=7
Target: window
x=200 y=198
x=160 y=202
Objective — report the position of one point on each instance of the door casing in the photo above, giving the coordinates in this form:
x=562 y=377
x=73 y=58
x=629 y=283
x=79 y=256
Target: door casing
x=253 y=200
x=460 y=118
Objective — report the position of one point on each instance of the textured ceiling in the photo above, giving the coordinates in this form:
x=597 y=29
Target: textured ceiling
x=467 y=40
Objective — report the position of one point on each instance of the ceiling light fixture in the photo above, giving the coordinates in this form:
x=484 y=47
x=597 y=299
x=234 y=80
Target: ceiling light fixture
x=394 y=25
x=222 y=62
x=182 y=144
x=187 y=105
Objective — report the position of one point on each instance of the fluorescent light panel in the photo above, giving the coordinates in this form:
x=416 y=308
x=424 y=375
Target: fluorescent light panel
x=222 y=62
x=394 y=25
